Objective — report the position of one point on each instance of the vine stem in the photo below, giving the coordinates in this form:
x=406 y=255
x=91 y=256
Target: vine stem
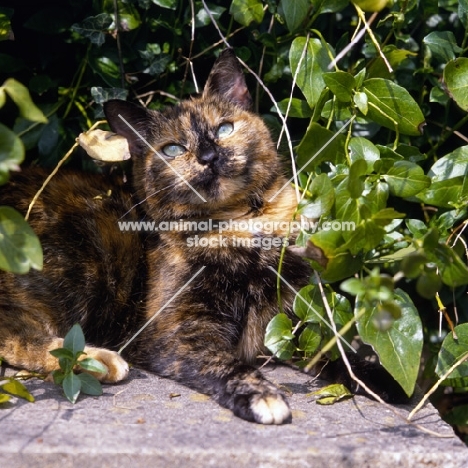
x=362 y=16
x=460 y=361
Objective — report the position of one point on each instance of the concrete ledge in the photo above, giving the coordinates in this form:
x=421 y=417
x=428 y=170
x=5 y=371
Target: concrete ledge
x=153 y=422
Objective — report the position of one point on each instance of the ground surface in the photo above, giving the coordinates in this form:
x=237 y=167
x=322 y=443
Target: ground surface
x=152 y=422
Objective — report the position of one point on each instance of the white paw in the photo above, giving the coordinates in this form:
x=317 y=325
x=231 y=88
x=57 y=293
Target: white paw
x=117 y=367
x=270 y=409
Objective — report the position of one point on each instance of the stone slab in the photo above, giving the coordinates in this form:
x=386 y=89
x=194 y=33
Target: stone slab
x=149 y=421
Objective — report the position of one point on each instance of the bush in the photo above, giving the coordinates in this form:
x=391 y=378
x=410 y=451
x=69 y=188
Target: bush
x=375 y=120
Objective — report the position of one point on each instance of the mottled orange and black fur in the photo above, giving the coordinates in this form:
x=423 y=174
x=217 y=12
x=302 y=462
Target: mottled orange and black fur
x=111 y=282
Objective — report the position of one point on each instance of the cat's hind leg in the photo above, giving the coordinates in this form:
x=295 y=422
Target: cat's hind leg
x=117 y=367
x=31 y=351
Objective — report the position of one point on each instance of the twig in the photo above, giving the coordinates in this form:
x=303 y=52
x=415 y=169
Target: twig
x=356 y=38
x=189 y=63
x=371 y=34
x=437 y=384
x=119 y=46
x=443 y=311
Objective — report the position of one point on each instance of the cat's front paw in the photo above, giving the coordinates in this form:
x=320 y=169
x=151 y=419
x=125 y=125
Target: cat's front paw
x=117 y=367
x=270 y=409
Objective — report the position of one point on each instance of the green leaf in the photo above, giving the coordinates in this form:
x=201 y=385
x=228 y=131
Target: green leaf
x=392 y=106
x=71 y=386
x=399 y=348
x=14 y=387
x=154 y=58
x=128 y=15
x=101 y=95
x=361 y=101
x=437 y=94
x=412 y=264
x=378 y=195
x=20 y=248
x=310 y=338
x=11 y=153
x=62 y=353
x=308 y=305
x=463 y=12
x=171 y=4
x=314 y=62
x=456 y=80
x=355 y=185
x=362 y=148
x=319 y=144
x=332 y=393
x=353 y=286
x=346 y=207
x=452 y=165
x=445 y=193
x=107 y=69
x=297 y=108
x=452 y=350
x=385 y=216
x=406 y=179
x=94 y=28
x=58 y=376
x=90 y=385
x=247 y=11
x=74 y=340
x=320 y=198
x=428 y=284
x=341 y=84
x=4 y=398
x=21 y=97
x=365 y=237
x=278 y=337
x=341 y=264
x=295 y=13
x=442 y=45
x=6 y=33
x=93 y=365
x=202 y=18
x=417 y=228
x=453 y=270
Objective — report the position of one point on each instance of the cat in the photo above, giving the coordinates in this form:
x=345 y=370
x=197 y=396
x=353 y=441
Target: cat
x=208 y=295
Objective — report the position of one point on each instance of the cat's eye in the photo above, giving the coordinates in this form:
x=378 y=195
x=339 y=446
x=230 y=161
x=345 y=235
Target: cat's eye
x=225 y=129
x=172 y=151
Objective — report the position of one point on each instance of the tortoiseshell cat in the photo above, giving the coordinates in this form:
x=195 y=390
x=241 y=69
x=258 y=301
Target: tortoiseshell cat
x=111 y=282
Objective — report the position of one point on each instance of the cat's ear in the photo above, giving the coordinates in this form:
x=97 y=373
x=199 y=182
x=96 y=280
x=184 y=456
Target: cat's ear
x=226 y=80
x=130 y=121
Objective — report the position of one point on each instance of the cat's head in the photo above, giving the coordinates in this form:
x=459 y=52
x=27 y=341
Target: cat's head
x=202 y=155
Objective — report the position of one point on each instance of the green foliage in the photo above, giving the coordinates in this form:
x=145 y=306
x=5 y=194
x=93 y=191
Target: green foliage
x=20 y=248
x=11 y=386
x=69 y=359
x=331 y=394
x=377 y=130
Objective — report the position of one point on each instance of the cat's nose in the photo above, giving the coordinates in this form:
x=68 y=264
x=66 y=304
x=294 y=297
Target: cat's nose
x=207 y=156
